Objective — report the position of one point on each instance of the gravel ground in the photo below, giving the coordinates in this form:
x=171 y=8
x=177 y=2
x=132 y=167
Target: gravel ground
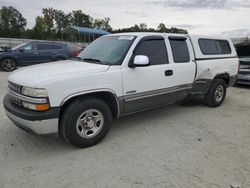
x=187 y=146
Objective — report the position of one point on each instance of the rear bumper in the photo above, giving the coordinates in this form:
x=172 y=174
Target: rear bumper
x=244 y=79
x=32 y=121
x=232 y=80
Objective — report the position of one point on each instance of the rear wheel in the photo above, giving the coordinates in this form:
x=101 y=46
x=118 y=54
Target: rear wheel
x=86 y=122
x=8 y=64
x=216 y=93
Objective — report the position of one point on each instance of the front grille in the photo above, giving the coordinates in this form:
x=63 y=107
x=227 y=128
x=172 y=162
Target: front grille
x=15 y=100
x=15 y=88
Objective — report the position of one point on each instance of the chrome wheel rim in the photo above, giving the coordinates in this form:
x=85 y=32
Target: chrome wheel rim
x=89 y=123
x=219 y=93
x=8 y=64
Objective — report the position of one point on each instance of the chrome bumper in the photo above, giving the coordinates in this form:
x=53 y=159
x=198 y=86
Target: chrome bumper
x=244 y=79
x=41 y=127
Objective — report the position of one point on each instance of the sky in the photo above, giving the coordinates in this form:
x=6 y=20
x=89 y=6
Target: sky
x=206 y=17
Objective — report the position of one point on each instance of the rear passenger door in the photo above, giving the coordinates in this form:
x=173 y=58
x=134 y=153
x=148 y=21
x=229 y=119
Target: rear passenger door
x=46 y=52
x=181 y=60
x=163 y=81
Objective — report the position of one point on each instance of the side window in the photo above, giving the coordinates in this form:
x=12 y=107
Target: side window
x=180 y=50
x=225 y=47
x=155 y=50
x=214 y=47
x=48 y=47
x=28 y=47
x=42 y=47
x=55 y=47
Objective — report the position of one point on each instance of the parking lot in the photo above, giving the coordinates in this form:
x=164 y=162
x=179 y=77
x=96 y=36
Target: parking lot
x=188 y=145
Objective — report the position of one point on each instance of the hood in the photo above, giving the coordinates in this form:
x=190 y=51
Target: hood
x=5 y=49
x=37 y=74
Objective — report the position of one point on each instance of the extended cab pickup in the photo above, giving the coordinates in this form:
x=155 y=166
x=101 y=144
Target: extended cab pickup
x=117 y=75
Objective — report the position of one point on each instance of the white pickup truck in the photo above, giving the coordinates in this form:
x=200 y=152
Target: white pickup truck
x=117 y=75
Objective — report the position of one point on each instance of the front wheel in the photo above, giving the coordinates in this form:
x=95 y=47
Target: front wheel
x=8 y=64
x=85 y=122
x=216 y=93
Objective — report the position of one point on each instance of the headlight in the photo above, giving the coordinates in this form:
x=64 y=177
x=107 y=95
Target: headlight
x=33 y=92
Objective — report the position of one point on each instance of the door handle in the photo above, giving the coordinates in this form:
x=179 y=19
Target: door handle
x=35 y=53
x=169 y=72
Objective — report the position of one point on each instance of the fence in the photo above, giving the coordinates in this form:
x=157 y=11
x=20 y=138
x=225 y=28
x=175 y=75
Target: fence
x=12 y=42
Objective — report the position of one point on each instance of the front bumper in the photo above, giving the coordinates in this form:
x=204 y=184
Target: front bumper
x=32 y=121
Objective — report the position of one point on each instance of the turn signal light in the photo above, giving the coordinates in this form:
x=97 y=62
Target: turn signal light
x=36 y=107
x=42 y=107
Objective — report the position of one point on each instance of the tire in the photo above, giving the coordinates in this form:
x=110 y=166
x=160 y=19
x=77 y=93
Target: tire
x=216 y=93
x=8 y=64
x=85 y=122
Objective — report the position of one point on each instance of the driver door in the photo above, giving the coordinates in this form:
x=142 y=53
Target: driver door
x=161 y=82
x=27 y=54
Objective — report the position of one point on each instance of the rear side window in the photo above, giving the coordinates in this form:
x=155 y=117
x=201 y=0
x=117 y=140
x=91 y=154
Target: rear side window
x=155 y=50
x=48 y=47
x=55 y=47
x=214 y=47
x=180 y=50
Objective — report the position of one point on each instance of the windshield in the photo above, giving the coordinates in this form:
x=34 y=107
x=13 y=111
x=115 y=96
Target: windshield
x=108 y=50
x=18 y=46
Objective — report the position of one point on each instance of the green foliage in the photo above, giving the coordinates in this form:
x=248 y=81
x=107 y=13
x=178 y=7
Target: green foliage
x=102 y=24
x=142 y=27
x=39 y=29
x=80 y=19
x=50 y=24
x=12 y=23
x=62 y=20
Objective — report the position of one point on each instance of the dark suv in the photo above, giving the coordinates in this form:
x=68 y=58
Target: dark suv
x=33 y=53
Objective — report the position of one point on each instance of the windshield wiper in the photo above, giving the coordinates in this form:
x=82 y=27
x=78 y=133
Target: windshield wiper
x=92 y=60
x=77 y=58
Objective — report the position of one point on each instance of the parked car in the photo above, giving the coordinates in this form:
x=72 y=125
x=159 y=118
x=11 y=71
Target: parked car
x=33 y=53
x=115 y=76
x=244 y=72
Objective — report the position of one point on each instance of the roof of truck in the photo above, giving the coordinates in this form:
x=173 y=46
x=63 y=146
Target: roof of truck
x=142 y=34
x=147 y=33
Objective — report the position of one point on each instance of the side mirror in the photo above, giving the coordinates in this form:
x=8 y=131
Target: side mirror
x=140 y=61
x=21 y=50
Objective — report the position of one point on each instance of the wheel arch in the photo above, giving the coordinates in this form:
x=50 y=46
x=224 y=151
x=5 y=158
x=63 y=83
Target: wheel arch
x=9 y=57
x=108 y=96
x=224 y=76
x=60 y=57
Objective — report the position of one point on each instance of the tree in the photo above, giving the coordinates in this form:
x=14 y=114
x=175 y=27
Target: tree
x=176 y=30
x=80 y=19
x=48 y=19
x=102 y=24
x=61 y=19
x=50 y=24
x=162 y=28
x=12 y=23
x=39 y=28
x=143 y=27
